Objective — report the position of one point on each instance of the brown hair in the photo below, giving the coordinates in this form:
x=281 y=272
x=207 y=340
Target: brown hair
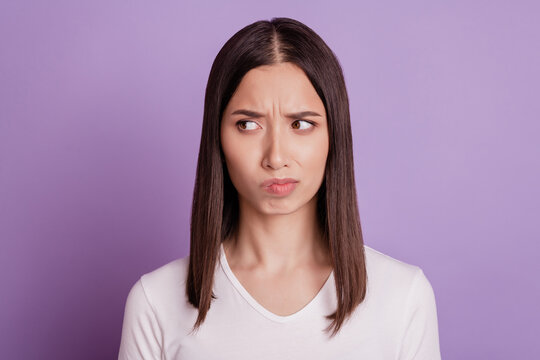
x=215 y=209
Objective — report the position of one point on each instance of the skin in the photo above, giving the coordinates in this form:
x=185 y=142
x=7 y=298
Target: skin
x=278 y=255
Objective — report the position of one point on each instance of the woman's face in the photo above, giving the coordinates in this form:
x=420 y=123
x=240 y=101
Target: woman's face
x=264 y=135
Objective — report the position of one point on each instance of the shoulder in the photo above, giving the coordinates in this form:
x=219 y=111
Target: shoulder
x=390 y=276
x=173 y=271
x=159 y=288
x=403 y=297
x=166 y=281
x=156 y=305
x=381 y=263
x=161 y=294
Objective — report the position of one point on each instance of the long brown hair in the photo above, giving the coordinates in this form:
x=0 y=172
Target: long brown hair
x=214 y=215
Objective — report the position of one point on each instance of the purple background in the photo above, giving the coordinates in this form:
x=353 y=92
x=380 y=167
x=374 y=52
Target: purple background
x=101 y=108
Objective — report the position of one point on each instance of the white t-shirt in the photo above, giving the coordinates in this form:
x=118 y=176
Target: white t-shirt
x=397 y=320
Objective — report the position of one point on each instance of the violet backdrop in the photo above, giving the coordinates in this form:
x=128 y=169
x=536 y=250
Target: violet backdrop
x=100 y=118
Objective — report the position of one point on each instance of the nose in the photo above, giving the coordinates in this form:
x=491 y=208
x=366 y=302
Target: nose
x=275 y=151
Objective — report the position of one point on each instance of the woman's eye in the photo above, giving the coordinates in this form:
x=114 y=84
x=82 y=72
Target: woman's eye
x=243 y=126
x=307 y=122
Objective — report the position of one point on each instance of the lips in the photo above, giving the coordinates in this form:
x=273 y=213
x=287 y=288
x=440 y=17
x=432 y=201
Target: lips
x=278 y=181
x=280 y=189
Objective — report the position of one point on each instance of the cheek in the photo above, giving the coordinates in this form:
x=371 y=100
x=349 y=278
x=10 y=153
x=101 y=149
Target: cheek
x=314 y=153
x=240 y=159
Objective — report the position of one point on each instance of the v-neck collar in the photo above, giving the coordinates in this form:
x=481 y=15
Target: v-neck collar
x=255 y=304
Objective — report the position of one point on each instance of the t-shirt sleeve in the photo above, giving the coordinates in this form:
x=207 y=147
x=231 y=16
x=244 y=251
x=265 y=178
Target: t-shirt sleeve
x=141 y=334
x=421 y=334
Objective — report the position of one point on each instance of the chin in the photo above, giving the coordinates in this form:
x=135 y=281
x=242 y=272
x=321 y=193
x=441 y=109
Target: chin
x=279 y=206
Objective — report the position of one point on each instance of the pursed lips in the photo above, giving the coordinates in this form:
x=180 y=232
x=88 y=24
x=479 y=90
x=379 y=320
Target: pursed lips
x=278 y=181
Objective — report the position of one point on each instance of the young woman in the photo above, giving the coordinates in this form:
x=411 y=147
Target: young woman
x=277 y=266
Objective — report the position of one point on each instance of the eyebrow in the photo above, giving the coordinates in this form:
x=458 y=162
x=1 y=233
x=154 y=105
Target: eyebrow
x=255 y=114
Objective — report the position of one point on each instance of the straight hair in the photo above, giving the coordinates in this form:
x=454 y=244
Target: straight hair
x=214 y=214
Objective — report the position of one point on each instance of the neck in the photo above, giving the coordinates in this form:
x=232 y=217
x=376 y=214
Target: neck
x=277 y=243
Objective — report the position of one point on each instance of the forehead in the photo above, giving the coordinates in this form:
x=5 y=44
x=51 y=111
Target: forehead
x=285 y=83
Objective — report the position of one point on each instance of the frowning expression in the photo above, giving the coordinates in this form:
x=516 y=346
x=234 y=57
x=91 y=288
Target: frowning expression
x=275 y=126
